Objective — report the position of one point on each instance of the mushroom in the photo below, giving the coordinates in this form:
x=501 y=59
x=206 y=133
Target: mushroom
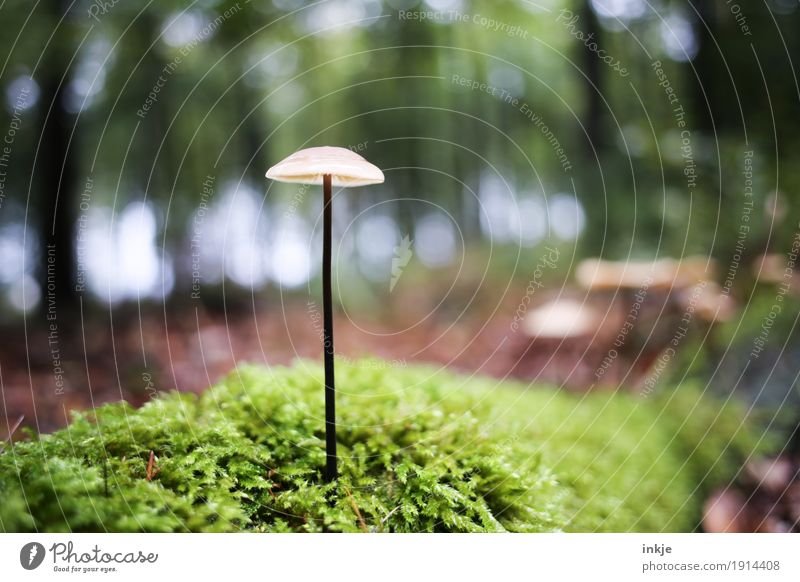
x=596 y=274
x=709 y=302
x=769 y=268
x=694 y=269
x=329 y=166
x=569 y=333
x=560 y=319
x=643 y=290
x=712 y=306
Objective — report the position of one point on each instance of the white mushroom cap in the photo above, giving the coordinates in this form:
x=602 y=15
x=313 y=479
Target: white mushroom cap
x=561 y=318
x=597 y=274
x=308 y=166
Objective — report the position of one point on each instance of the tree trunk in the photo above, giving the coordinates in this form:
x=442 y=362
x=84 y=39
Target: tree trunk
x=56 y=169
x=590 y=64
x=702 y=70
x=590 y=178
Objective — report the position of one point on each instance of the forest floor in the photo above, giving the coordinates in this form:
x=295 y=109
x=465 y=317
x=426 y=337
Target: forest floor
x=133 y=357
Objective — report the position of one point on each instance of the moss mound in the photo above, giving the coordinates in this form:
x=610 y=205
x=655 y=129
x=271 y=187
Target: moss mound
x=421 y=450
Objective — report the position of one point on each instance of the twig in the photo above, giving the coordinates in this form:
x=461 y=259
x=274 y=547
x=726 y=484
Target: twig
x=361 y=522
x=105 y=474
x=152 y=468
x=11 y=431
x=383 y=521
x=388 y=515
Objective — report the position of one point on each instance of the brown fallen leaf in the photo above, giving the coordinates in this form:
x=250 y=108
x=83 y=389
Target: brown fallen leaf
x=725 y=512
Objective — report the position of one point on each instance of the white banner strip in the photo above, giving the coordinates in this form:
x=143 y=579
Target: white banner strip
x=333 y=557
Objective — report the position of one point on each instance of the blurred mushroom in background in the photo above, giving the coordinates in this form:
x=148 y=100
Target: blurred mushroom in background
x=708 y=305
x=564 y=338
x=708 y=302
x=646 y=293
x=765 y=498
x=774 y=269
x=694 y=269
x=600 y=275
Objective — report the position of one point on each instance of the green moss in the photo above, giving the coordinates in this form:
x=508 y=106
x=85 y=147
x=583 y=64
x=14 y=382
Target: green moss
x=421 y=450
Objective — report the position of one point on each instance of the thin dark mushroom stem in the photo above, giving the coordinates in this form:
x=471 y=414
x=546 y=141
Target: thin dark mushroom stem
x=331 y=471
x=350 y=169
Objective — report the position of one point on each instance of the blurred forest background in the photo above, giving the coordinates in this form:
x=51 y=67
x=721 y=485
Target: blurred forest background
x=134 y=211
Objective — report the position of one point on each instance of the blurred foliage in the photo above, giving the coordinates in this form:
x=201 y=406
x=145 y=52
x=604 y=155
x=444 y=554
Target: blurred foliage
x=244 y=84
x=423 y=450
